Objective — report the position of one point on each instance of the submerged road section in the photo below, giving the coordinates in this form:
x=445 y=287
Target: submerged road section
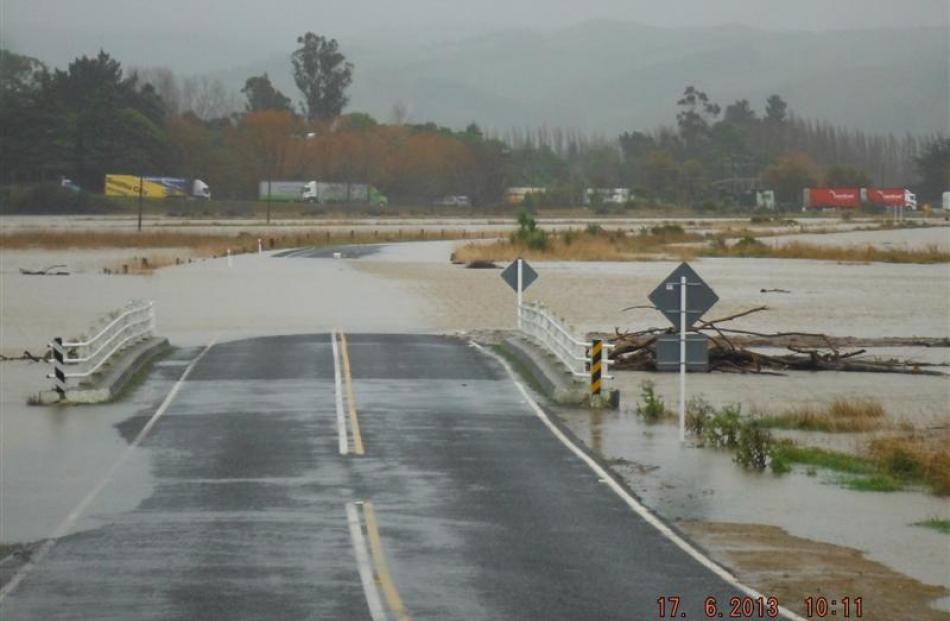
x=361 y=477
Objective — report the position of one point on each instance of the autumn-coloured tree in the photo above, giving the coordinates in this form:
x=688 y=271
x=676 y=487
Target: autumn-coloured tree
x=273 y=139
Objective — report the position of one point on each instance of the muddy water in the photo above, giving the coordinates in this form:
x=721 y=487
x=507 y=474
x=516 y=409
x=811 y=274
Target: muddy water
x=51 y=456
x=55 y=455
x=256 y=295
x=704 y=484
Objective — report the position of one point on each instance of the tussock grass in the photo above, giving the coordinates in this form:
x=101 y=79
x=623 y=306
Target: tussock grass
x=915 y=458
x=750 y=247
x=840 y=416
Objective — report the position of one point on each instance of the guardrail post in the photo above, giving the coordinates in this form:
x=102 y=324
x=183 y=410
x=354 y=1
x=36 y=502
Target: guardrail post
x=59 y=368
x=596 y=353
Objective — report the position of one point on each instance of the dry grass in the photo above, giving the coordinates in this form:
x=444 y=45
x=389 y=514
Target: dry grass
x=840 y=416
x=750 y=247
x=918 y=458
x=585 y=249
x=647 y=244
x=595 y=245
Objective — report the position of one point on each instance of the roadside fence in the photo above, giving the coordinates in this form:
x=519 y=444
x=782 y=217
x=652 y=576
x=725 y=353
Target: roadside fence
x=585 y=360
x=77 y=360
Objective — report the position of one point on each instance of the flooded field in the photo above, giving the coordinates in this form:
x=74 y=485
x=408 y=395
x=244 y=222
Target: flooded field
x=837 y=299
x=903 y=238
x=703 y=484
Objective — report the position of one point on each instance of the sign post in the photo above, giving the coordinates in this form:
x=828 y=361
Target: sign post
x=519 y=276
x=520 y=289
x=683 y=285
x=683 y=310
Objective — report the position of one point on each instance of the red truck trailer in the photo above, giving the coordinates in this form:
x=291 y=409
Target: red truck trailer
x=852 y=198
x=821 y=198
x=890 y=197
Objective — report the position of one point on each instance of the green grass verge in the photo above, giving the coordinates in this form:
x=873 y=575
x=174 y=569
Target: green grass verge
x=873 y=483
x=936 y=524
x=786 y=454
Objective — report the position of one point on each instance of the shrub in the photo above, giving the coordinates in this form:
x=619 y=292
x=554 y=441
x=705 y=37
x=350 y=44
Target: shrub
x=722 y=430
x=698 y=413
x=593 y=229
x=528 y=232
x=652 y=407
x=754 y=446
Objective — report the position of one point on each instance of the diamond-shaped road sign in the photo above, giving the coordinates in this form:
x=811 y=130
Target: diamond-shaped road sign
x=510 y=275
x=699 y=296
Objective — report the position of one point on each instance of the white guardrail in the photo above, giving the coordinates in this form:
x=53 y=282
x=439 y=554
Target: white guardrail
x=80 y=359
x=551 y=332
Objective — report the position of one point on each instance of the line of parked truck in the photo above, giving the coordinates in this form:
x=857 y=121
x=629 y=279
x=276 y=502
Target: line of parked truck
x=320 y=192
x=324 y=192
x=853 y=198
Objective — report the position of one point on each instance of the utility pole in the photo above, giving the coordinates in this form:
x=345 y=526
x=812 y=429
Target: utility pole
x=141 y=194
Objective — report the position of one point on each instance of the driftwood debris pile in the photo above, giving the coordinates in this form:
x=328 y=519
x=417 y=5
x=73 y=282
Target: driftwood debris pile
x=52 y=270
x=26 y=355
x=729 y=350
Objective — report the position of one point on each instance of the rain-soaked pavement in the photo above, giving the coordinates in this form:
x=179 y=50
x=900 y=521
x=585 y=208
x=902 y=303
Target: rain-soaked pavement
x=482 y=512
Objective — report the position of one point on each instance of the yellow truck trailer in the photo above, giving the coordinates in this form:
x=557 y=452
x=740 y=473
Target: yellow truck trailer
x=156 y=187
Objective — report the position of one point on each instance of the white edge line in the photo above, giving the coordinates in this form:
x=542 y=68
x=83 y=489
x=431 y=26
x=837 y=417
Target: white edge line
x=376 y=610
x=632 y=502
x=78 y=510
x=340 y=418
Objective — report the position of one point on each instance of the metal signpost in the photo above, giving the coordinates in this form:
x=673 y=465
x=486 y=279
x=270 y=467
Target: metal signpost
x=519 y=276
x=683 y=307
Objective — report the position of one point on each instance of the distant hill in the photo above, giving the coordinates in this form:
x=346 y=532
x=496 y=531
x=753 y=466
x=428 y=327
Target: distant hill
x=609 y=77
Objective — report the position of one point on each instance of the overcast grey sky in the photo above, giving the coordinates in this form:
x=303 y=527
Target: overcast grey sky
x=203 y=35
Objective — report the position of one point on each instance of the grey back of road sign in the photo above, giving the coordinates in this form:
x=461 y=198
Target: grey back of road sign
x=510 y=275
x=668 y=352
x=699 y=296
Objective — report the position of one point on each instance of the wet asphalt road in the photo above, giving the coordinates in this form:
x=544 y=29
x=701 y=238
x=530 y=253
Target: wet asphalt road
x=482 y=512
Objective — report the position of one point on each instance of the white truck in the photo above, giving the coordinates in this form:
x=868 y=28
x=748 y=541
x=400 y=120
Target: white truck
x=323 y=192
x=609 y=196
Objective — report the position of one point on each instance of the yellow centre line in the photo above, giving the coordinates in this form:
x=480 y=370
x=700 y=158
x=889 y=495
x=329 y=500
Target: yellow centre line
x=383 y=578
x=358 y=447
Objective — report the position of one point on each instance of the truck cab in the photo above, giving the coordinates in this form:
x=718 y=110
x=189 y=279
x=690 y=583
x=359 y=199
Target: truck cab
x=200 y=189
